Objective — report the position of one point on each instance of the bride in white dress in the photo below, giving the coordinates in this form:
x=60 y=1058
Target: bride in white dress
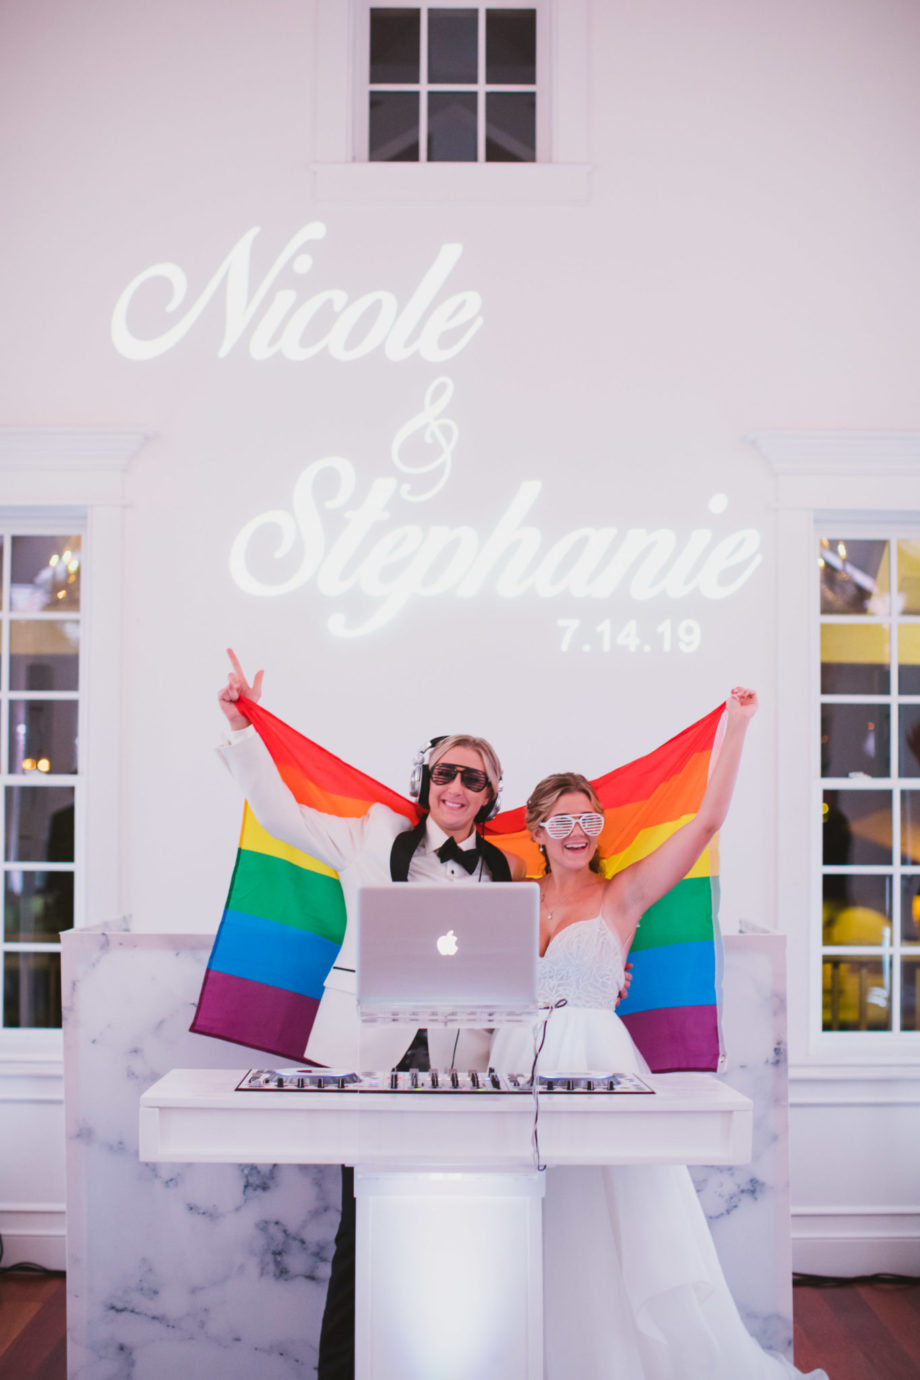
x=633 y=1288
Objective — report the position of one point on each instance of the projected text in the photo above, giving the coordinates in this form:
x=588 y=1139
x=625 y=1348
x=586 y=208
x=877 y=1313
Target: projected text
x=280 y=321
x=352 y=543
x=581 y=635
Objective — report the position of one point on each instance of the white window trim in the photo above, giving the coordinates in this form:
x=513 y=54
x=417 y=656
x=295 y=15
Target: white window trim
x=82 y=470
x=821 y=477
x=563 y=178
x=869 y=528
x=541 y=87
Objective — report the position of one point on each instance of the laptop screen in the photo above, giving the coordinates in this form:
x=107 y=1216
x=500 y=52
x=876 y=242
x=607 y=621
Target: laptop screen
x=447 y=954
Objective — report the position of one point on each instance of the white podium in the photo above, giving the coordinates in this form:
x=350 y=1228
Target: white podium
x=449 y=1237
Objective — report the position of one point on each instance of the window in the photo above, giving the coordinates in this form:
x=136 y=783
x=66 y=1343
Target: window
x=854 y=488
x=504 y=123
x=870 y=779
x=40 y=611
x=452 y=83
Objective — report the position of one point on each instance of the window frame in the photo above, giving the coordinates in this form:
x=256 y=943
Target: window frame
x=821 y=479
x=49 y=523
x=339 y=98
x=362 y=85
x=893 y=783
x=78 y=474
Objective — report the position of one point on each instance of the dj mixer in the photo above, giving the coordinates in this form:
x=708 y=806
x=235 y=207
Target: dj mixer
x=432 y=1081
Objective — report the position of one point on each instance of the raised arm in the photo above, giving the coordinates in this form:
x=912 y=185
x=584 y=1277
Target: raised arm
x=238 y=685
x=639 y=886
x=332 y=840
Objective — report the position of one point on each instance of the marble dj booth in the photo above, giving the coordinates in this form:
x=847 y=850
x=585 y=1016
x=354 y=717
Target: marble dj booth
x=449 y=1261
x=203 y=1250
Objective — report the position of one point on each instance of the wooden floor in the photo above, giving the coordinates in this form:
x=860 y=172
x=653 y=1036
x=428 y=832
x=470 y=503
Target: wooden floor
x=853 y=1331
x=33 y=1342
x=859 y=1331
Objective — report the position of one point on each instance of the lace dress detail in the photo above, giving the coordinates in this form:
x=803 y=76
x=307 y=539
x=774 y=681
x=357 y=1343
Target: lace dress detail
x=584 y=964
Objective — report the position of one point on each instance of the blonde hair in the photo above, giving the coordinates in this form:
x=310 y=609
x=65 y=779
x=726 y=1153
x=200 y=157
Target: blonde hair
x=544 y=796
x=481 y=745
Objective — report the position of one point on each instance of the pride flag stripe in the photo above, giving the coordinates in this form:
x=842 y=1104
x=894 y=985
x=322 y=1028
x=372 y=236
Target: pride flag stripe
x=289 y=895
x=311 y=771
x=278 y=955
x=639 y=786
x=679 y=795
x=325 y=802
x=252 y=1013
x=683 y=916
x=255 y=839
x=684 y=1037
x=671 y=975
x=645 y=842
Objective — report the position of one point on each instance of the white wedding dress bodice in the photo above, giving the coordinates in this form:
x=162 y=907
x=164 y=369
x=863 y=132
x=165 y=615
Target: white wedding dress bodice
x=583 y=965
x=633 y=1288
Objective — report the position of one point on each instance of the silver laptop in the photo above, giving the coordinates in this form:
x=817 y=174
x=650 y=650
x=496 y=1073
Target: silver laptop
x=448 y=955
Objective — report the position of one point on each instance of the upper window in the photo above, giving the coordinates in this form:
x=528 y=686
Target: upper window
x=870 y=777
x=39 y=699
x=452 y=83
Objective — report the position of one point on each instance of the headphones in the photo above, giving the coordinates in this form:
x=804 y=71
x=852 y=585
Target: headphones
x=420 y=780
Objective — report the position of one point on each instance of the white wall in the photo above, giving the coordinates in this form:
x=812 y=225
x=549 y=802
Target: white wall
x=738 y=253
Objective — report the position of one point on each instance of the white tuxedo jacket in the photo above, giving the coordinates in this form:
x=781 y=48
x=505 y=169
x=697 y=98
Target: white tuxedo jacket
x=359 y=851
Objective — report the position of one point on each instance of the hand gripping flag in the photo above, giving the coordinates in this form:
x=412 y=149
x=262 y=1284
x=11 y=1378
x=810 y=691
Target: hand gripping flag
x=284 y=916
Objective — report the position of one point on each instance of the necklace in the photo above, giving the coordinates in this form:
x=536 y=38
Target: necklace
x=576 y=899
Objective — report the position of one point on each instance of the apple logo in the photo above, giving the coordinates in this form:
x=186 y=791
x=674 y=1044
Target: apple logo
x=447 y=944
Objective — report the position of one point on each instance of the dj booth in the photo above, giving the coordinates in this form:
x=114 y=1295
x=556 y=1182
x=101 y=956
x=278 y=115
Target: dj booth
x=448 y=1184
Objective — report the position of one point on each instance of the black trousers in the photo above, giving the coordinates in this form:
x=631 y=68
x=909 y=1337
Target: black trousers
x=337 y=1334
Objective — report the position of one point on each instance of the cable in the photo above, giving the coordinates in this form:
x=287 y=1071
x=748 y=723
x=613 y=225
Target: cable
x=25 y=1266
x=535 y=1083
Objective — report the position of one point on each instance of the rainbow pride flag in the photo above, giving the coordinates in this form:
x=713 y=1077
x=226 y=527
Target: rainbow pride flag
x=284 y=917
x=672 y=1011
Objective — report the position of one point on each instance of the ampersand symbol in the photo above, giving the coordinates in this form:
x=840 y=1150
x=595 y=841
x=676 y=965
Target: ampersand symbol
x=436 y=431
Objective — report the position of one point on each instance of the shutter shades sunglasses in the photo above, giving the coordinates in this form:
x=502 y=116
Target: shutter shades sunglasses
x=560 y=826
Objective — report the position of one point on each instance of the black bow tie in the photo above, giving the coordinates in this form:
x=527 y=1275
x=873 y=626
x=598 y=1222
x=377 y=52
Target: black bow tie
x=466 y=857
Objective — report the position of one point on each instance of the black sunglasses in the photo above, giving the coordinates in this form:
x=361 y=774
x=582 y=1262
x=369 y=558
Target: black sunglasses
x=442 y=773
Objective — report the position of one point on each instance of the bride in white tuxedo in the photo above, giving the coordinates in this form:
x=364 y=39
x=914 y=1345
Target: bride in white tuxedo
x=633 y=1286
